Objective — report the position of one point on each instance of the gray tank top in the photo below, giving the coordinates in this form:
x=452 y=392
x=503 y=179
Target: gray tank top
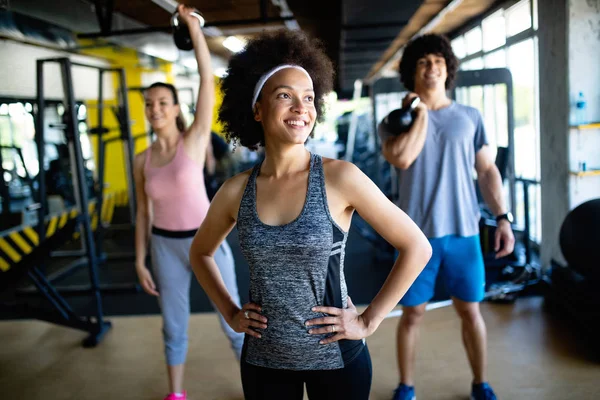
x=294 y=267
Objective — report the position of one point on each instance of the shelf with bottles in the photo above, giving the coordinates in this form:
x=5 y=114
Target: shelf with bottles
x=591 y=172
x=590 y=126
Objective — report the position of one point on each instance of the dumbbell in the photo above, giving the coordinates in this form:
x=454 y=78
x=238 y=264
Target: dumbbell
x=181 y=32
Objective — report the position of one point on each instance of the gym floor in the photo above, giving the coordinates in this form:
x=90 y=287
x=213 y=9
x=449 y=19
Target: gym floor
x=531 y=356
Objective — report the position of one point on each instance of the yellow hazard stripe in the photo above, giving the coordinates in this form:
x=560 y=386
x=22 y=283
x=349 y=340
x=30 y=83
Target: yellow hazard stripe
x=73 y=213
x=109 y=217
x=110 y=210
x=7 y=248
x=23 y=245
x=51 y=226
x=109 y=203
x=63 y=220
x=32 y=235
x=4 y=266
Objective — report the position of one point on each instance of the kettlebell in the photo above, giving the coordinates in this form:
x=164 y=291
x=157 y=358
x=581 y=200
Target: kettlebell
x=399 y=121
x=181 y=32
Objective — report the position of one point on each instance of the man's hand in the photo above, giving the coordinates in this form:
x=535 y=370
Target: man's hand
x=504 y=237
x=421 y=107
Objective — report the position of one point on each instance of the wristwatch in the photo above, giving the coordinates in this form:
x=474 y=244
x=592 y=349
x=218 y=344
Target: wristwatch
x=507 y=216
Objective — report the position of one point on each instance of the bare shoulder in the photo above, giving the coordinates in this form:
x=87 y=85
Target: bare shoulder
x=237 y=183
x=140 y=159
x=230 y=194
x=341 y=173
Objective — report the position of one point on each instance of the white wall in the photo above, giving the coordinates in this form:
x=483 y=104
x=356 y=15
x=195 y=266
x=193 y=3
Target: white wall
x=18 y=72
x=584 y=62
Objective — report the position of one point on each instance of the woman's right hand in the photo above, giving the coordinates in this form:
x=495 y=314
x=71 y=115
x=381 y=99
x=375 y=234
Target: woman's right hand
x=247 y=318
x=146 y=280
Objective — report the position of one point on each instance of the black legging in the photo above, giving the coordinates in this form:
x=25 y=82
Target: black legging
x=353 y=382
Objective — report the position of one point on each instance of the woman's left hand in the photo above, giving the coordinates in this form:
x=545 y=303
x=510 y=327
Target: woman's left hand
x=346 y=323
x=185 y=13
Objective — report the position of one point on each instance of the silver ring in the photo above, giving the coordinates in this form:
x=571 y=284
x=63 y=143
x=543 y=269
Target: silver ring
x=246 y=314
x=332 y=328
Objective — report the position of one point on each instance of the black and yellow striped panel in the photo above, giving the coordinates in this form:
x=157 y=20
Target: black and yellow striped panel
x=22 y=241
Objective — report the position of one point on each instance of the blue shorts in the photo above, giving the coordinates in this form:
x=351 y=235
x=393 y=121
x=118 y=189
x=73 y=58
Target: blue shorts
x=459 y=260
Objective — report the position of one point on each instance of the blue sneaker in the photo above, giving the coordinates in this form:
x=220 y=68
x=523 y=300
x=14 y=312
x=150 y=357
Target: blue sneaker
x=482 y=391
x=404 y=392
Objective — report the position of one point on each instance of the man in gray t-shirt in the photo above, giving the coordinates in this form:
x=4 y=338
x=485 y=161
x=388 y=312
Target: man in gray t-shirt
x=435 y=161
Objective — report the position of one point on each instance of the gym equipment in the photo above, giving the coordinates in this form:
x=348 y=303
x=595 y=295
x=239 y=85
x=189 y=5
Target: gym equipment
x=573 y=288
x=22 y=251
x=181 y=32
x=22 y=248
x=580 y=237
x=17 y=195
x=522 y=276
x=399 y=121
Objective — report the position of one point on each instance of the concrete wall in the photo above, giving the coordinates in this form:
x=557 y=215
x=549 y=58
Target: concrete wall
x=554 y=122
x=569 y=52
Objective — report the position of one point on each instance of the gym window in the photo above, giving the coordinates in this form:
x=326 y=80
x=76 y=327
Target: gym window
x=507 y=38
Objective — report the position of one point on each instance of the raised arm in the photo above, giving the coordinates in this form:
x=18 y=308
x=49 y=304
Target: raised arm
x=200 y=128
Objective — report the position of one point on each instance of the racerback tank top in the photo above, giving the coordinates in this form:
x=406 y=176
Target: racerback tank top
x=177 y=191
x=294 y=267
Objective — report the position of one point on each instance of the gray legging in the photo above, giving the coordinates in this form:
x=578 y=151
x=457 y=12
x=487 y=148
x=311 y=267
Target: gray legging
x=173 y=273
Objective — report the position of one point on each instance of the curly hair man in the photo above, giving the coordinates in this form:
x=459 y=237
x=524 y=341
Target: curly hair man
x=434 y=162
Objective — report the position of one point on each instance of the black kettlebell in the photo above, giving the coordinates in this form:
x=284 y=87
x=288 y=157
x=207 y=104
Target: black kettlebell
x=399 y=121
x=181 y=32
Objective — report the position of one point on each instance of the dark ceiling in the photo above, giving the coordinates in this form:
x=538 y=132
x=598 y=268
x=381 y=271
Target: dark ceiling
x=356 y=32
x=359 y=35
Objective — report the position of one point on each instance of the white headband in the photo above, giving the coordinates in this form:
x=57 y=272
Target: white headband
x=263 y=79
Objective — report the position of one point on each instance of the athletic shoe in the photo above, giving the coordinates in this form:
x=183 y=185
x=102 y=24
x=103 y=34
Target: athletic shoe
x=404 y=392
x=173 y=396
x=482 y=391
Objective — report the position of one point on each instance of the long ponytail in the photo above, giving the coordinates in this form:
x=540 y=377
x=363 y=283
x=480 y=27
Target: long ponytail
x=180 y=121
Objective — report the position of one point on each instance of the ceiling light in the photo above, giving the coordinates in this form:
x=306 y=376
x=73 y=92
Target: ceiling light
x=234 y=44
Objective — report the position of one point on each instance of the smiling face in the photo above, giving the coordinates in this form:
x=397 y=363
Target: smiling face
x=286 y=108
x=160 y=109
x=431 y=72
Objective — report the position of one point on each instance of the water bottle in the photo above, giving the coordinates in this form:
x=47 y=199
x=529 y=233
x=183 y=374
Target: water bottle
x=580 y=110
x=400 y=121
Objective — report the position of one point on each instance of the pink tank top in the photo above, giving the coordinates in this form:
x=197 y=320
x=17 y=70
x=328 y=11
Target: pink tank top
x=177 y=191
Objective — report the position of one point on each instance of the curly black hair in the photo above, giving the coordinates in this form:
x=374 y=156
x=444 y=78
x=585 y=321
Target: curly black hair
x=261 y=54
x=420 y=47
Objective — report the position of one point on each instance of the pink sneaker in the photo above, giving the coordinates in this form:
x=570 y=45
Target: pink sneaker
x=173 y=396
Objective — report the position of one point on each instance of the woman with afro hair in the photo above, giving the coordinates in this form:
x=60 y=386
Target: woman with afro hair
x=293 y=213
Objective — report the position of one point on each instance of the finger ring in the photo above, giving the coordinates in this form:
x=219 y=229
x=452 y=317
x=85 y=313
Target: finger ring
x=246 y=314
x=332 y=328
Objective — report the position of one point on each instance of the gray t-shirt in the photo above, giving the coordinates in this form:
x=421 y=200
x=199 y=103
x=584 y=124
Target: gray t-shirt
x=437 y=191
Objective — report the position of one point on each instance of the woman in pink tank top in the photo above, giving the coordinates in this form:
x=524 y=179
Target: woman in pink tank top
x=172 y=203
